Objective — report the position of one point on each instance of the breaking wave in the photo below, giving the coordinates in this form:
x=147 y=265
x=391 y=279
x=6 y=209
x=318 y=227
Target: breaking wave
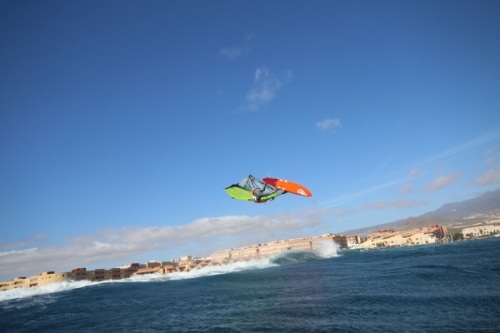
x=48 y=289
x=327 y=250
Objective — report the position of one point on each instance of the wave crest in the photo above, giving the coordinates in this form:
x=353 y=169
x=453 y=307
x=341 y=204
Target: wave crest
x=326 y=250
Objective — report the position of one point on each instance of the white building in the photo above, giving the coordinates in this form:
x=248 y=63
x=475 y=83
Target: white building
x=481 y=231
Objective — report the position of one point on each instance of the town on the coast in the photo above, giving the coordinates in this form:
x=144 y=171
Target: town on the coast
x=380 y=239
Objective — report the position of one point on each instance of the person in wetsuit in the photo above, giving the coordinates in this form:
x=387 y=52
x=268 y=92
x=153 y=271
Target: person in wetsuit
x=257 y=194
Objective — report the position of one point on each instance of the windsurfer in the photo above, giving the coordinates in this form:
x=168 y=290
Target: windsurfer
x=257 y=193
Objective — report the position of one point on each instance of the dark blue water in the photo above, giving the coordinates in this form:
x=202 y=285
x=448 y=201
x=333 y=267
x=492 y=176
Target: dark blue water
x=431 y=288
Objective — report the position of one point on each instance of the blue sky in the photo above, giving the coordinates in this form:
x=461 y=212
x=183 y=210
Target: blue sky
x=122 y=121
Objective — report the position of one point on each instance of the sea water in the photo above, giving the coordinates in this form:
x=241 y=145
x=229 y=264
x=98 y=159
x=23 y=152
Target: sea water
x=429 y=288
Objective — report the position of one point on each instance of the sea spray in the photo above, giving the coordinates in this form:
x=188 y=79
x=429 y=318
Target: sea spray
x=52 y=288
x=327 y=250
x=57 y=287
x=206 y=271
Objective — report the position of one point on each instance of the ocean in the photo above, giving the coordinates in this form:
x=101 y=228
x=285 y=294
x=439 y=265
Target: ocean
x=429 y=288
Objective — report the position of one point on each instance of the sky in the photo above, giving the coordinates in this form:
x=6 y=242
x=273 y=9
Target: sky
x=121 y=122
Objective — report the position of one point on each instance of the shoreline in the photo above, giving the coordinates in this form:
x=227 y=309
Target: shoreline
x=380 y=239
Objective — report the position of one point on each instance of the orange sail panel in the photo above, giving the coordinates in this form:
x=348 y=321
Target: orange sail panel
x=288 y=186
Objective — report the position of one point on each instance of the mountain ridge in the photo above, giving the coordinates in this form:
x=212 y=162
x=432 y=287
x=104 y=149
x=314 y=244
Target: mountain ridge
x=451 y=215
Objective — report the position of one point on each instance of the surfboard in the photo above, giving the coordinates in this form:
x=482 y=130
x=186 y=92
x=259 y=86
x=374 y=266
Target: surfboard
x=288 y=186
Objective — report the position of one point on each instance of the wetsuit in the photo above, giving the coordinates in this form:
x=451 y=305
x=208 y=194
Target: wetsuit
x=257 y=194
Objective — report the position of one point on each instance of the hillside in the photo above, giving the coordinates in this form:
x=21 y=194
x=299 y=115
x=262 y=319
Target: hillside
x=456 y=214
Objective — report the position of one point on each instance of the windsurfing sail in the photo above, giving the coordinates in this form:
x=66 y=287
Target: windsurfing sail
x=288 y=186
x=243 y=190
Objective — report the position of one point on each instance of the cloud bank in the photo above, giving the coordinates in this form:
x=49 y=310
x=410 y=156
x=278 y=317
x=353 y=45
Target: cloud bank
x=442 y=181
x=119 y=245
x=490 y=177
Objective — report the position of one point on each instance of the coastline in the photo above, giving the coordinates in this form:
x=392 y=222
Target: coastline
x=380 y=239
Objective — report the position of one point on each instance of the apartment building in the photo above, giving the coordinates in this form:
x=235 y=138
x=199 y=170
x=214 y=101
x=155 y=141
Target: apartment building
x=388 y=238
x=481 y=231
x=264 y=250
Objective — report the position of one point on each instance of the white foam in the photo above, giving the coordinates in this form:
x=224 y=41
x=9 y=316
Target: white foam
x=206 y=271
x=327 y=250
x=195 y=273
x=42 y=290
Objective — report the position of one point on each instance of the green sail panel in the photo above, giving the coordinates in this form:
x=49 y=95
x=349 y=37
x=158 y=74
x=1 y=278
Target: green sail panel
x=238 y=193
x=243 y=190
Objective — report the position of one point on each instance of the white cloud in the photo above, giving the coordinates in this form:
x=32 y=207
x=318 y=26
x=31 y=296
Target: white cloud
x=235 y=52
x=493 y=156
x=490 y=177
x=442 y=181
x=405 y=188
x=392 y=204
x=28 y=251
x=264 y=89
x=329 y=123
x=261 y=73
x=119 y=245
x=414 y=173
x=232 y=52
